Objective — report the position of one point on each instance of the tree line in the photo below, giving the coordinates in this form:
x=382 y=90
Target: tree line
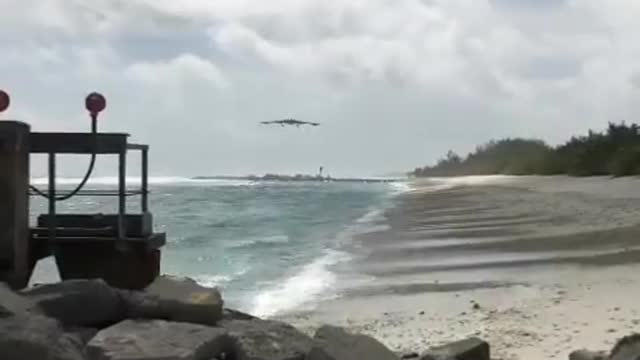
x=615 y=151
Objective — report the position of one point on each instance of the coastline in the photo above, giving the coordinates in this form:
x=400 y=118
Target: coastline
x=548 y=260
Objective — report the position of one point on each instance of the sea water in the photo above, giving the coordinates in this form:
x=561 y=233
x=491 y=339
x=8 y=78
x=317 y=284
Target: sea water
x=271 y=247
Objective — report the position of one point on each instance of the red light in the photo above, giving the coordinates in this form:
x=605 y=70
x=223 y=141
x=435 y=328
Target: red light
x=5 y=100
x=95 y=102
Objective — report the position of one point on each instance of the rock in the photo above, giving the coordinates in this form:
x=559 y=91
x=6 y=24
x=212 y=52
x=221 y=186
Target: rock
x=627 y=348
x=468 y=349
x=26 y=337
x=182 y=299
x=84 y=334
x=266 y=340
x=229 y=314
x=159 y=340
x=409 y=355
x=476 y=306
x=140 y=305
x=334 y=343
x=12 y=303
x=88 y=303
x=587 y=355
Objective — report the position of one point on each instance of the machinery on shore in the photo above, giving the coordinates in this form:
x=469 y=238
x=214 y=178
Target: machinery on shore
x=120 y=248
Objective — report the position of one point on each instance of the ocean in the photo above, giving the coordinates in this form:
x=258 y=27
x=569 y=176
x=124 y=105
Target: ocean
x=271 y=247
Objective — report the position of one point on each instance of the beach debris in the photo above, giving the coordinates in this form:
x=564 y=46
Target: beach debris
x=588 y=355
x=335 y=343
x=467 y=349
x=158 y=339
x=266 y=340
x=90 y=303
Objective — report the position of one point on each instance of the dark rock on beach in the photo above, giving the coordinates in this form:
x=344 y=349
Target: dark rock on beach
x=409 y=355
x=468 y=349
x=627 y=348
x=588 y=355
x=334 y=343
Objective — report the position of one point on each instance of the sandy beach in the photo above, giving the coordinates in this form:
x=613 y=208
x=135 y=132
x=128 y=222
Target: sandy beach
x=537 y=266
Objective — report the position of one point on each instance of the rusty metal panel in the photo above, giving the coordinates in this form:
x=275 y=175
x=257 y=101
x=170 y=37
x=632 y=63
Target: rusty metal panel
x=78 y=143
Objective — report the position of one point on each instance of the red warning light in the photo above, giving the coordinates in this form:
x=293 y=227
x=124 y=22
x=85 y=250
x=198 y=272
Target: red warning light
x=5 y=100
x=95 y=103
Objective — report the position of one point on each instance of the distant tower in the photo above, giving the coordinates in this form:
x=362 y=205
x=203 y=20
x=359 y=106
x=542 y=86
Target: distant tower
x=321 y=169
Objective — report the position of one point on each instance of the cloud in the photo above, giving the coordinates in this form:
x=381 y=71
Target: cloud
x=395 y=83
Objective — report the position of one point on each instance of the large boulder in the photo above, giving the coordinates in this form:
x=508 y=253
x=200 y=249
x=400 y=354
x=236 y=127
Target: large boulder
x=627 y=348
x=87 y=303
x=334 y=343
x=159 y=340
x=37 y=337
x=266 y=340
x=181 y=299
x=588 y=355
x=468 y=349
x=12 y=303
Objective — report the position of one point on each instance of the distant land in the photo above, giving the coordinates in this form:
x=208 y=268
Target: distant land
x=615 y=151
x=297 y=178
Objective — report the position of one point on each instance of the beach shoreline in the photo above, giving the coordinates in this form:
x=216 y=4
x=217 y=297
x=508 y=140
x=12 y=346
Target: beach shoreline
x=537 y=266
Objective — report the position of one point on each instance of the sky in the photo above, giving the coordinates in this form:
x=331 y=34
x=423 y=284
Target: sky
x=395 y=83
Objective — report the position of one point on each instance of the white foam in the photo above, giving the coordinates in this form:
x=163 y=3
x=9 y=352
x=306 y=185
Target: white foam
x=300 y=290
x=276 y=239
x=218 y=280
x=473 y=180
x=212 y=280
x=371 y=217
x=400 y=187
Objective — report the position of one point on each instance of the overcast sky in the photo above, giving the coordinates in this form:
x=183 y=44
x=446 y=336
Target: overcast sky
x=395 y=83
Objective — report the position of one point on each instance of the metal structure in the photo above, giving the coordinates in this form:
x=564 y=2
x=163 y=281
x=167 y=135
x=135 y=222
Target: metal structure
x=120 y=248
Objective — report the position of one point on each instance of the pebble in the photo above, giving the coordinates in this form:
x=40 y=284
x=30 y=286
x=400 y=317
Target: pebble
x=612 y=330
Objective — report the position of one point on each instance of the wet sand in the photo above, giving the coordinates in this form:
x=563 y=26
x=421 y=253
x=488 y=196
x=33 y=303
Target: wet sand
x=550 y=261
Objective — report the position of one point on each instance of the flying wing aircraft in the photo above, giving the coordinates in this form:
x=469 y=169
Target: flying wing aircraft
x=290 y=122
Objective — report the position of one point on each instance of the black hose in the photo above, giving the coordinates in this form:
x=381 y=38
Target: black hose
x=94 y=131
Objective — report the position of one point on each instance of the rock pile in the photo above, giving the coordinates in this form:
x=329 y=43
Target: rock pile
x=176 y=319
